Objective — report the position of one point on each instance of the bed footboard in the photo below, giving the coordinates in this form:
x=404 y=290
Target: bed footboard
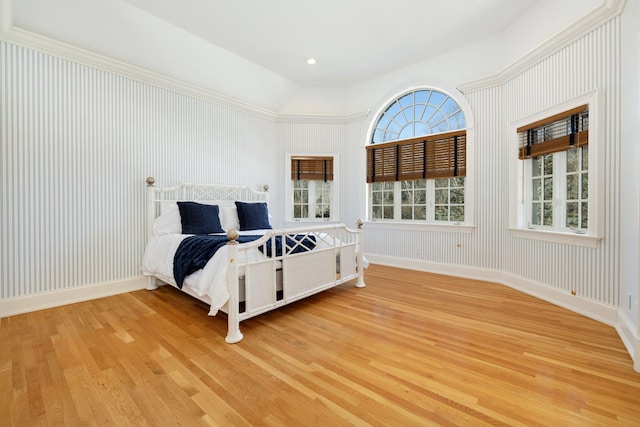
x=336 y=258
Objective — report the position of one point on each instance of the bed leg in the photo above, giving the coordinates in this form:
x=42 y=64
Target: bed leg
x=233 y=336
x=360 y=283
x=233 y=313
x=152 y=284
x=359 y=258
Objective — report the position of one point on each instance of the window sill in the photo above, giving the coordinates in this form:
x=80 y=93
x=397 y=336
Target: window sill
x=305 y=222
x=573 y=239
x=450 y=228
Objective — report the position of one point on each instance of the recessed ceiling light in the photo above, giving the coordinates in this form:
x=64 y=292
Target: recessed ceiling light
x=311 y=61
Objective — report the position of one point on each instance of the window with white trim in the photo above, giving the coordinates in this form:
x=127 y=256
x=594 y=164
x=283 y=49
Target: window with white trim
x=555 y=154
x=311 y=185
x=416 y=160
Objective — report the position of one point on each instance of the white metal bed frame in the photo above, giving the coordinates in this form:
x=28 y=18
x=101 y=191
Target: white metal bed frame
x=336 y=260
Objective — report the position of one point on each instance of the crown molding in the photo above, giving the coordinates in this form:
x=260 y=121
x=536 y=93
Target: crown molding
x=608 y=10
x=322 y=118
x=47 y=45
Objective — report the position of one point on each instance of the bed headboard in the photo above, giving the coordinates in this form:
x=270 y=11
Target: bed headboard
x=157 y=197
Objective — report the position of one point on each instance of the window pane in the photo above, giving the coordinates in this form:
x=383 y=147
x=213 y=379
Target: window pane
x=388 y=212
x=322 y=212
x=420 y=213
x=548 y=188
x=585 y=186
x=378 y=136
x=407 y=212
x=436 y=120
x=585 y=215
x=420 y=128
x=585 y=158
x=442 y=196
x=572 y=187
x=449 y=107
x=572 y=160
x=536 y=166
x=536 y=192
x=407 y=197
x=457 y=213
x=442 y=182
x=376 y=198
x=572 y=215
x=420 y=183
x=457 y=121
x=377 y=212
x=437 y=98
x=406 y=132
x=442 y=213
x=457 y=196
x=406 y=100
x=536 y=210
x=548 y=164
x=421 y=96
x=548 y=214
x=457 y=182
x=388 y=197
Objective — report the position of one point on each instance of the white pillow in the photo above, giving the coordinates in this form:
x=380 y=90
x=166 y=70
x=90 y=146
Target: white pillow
x=168 y=222
x=228 y=216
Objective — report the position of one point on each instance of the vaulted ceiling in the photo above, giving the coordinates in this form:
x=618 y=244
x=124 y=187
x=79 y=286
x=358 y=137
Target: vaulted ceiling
x=351 y=40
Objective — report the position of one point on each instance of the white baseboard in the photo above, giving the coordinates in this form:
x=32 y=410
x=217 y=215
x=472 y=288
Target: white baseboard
x=629 y=336
x=607 y=314
x=20 y=305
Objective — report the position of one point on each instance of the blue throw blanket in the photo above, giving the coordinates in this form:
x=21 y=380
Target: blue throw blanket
x=194 y=252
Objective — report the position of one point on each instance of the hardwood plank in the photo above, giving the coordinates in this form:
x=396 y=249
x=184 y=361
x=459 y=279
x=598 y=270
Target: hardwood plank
x=411 y=348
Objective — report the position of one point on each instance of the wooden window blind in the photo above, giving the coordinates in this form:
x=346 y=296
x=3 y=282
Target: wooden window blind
x=431 y=156
x=556 y=133
x=312 y=168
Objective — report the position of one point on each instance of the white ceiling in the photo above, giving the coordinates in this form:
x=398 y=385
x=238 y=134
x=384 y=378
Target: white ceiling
x=352 y=40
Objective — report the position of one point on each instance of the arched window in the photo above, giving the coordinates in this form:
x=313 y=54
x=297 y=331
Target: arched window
x=416 y=160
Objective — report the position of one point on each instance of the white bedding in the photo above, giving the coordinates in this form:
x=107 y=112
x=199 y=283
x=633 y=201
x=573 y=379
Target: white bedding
x=210 y=281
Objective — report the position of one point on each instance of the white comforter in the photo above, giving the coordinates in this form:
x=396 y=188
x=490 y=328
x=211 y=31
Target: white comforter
x=210 y=281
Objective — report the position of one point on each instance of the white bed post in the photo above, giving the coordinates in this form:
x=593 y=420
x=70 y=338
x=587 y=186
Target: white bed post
x=233 y=323
x=359 y=257
x=151 y=215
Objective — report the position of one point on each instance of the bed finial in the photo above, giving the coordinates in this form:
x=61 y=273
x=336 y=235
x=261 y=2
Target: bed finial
x=265 y=187
x=150 y=181
x=232 y=235
x=359 y=223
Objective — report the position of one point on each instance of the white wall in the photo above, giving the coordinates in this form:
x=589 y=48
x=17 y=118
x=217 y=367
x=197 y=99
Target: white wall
x=629 y=167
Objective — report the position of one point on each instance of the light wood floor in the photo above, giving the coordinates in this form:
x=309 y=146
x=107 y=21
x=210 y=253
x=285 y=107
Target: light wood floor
x=409 y=349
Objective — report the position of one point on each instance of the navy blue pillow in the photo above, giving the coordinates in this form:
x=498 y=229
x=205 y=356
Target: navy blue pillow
x=197 y=218
x=253 y=216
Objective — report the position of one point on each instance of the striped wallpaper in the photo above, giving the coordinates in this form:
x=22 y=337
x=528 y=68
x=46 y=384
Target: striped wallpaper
x=76 y=146
x=592 y=61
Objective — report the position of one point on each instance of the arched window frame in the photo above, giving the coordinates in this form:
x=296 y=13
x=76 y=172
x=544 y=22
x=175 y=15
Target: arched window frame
x=469 y=223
